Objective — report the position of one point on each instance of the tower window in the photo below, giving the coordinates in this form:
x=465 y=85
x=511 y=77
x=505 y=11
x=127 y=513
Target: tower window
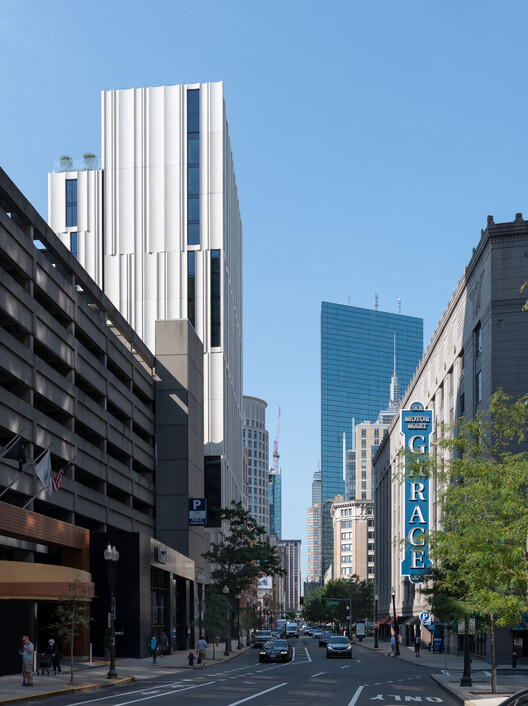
x=71 y=203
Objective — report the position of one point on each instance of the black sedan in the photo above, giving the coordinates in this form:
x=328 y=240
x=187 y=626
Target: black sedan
x=323 y=639
x=276 y=651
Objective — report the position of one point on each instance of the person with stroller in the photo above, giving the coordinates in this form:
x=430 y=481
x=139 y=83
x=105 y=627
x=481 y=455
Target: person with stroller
x=53 y=651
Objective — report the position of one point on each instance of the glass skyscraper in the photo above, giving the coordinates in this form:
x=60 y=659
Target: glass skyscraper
x=359 y=351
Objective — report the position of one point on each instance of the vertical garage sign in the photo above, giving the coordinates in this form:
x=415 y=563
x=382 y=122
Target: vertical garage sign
x=416 y=427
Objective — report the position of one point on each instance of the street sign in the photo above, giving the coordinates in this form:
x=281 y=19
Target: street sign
x=425 y=617
x=332 y=602
x=197 y=511
x=376 y=626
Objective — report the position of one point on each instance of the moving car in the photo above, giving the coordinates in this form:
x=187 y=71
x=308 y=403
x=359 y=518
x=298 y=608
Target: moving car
x=276 y=651
x=339 y=646
x=261 y=636
x=317 y=633
x=292 y=630
x=324 y=638
x=520 y=698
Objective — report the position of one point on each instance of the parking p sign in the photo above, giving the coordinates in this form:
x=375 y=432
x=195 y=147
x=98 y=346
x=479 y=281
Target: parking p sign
x=425 y=617
x=197 y=511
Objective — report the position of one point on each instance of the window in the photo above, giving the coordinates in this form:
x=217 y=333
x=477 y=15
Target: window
x=215 y=298
x=376 y=433
x=478 y=387
x=191 y=288
x=363 y=443
x=363 y=432
x=71 y=203
x=477 y=337
x=73 y=245
x=193 y=167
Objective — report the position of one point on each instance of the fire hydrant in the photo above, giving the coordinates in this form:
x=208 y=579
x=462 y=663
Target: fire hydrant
x=191 y=658
x=514 y=659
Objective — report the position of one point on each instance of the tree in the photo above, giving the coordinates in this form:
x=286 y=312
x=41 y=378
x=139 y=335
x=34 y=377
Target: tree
x=360 y=594
x=244 y=554
x=71 y=615
x=482 y=484
x=217 y=608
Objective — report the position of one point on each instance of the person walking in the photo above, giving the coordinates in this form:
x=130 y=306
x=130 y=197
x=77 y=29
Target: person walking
x=26 y=651
x=163 y=645
x=153 y=645
x=392 y=653
x=417 y=645
x=53 y=651
x=202 y=650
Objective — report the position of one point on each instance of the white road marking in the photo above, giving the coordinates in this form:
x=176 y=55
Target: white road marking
x=353 y=700
x=255 y=696
x=347 y=667
x=317 y=675
x=308 y=654
x=155 y=696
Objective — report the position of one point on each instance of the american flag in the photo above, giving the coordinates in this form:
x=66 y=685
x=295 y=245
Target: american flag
x=56 y=483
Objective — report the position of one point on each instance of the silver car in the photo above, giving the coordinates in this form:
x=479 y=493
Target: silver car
x=339 y=646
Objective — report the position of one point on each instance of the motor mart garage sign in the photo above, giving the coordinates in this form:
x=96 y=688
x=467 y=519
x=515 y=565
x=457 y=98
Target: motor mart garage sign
x=416 y=428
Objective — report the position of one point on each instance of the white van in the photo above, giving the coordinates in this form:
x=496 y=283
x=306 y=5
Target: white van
x=292 y=630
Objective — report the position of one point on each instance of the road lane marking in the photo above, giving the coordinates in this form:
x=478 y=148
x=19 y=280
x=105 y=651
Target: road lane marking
x=347 y=667
x=308 y=654
x=317 y=675
x=255 y=696
x=155 y=696
x=353 y=700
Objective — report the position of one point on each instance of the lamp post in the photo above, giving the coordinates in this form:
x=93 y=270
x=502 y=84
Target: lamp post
x=376 y=621
x=254 y=613
x=199 y=586
x=466 y=676
x=239 y=644
x=111 y=556
x=225 y=591
x=393 y=594
x=247 y=622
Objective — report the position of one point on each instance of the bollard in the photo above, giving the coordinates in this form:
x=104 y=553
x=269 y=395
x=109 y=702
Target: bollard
x=191 y=658
x=514 y=659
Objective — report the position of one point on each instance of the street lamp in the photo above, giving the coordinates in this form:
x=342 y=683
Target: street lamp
x=199 y=586
x=247 y=622
x=466 y=676
x=376 y=621
x=396 y=636
x=225 y=591
x=111 y=556
x=254 y=613
x=239 y=644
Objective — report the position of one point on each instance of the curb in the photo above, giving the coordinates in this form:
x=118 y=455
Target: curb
x=68 y=690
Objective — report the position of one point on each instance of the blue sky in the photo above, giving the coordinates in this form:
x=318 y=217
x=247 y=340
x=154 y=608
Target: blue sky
x=371 y=140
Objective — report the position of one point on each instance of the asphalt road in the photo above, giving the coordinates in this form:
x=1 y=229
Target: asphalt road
x=368 y=679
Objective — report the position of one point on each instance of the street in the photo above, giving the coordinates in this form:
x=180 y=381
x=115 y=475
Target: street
x=311 y=678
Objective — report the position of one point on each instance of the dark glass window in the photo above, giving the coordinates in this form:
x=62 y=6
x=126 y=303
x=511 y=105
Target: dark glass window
x=73 y=245
x=71 y=203
x=478 y=387
x=191 y=288
x=193 y=167
x=215 y=298
x=213 y=490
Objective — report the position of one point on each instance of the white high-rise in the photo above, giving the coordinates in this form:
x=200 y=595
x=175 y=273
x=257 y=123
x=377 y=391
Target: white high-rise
x=257 y=445
x=158 y=228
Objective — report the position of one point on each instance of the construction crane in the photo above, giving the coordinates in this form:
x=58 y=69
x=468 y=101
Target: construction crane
x=276 y=445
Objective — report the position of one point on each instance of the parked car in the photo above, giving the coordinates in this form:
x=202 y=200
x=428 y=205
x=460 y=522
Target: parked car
x=324 y=638
x=276 y=651
x=261 y=636
x=520 y=698
x=339 y=646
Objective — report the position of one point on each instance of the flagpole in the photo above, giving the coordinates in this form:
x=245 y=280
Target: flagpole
x=33 y=498
x=66 y=465
x=36 y=460
x=11 y=443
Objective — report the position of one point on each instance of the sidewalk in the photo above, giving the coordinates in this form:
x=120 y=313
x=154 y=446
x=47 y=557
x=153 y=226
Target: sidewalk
x=509 y=680
x=93 y=675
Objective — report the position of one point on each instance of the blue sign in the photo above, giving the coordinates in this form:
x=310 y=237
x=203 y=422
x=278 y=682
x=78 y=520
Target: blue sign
x=197 y=511
x=416 y=427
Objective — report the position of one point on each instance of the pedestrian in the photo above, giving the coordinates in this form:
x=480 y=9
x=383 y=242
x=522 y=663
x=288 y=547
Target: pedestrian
x=26 y=652
x=163 y=645
x=417 y=645
x=53 y=651
x=392 y=653
x=202 y=650
x=153 y=645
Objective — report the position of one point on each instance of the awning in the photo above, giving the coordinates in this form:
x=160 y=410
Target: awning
x=387 y=620
x=413 y=620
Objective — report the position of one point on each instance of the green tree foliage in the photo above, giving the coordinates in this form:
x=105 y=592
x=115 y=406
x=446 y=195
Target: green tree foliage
x=243 y=554
x=217 y=609
x=318 y=606
x=481 y=476
x=71 y=615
